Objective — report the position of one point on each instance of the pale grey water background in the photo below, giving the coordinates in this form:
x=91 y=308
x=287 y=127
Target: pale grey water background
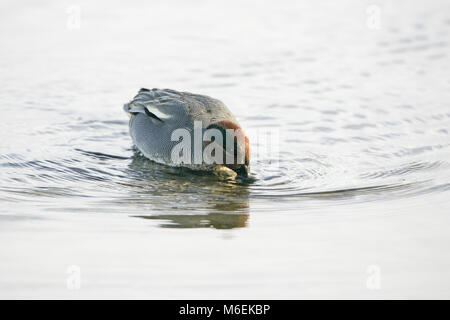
x=362 y=179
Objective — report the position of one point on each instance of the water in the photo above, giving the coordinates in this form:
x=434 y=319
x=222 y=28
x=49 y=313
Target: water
x=352 y=201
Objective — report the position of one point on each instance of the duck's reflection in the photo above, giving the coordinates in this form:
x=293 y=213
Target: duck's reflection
x=182 y=194
x=210 y=220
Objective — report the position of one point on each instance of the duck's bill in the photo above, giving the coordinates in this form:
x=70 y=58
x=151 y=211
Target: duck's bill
x=224 y=172
x=231 y=173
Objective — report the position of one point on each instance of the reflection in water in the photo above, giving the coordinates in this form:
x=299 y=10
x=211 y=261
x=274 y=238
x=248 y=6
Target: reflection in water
x=214 y=220
x=226 y=203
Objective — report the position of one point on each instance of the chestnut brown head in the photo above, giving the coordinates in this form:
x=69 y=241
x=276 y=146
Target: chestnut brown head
x=236 y=146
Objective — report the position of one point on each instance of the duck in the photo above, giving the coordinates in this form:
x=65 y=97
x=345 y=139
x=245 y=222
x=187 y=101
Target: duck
x=189 y=130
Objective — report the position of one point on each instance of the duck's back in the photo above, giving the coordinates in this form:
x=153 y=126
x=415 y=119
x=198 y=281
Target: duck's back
x=155 y=114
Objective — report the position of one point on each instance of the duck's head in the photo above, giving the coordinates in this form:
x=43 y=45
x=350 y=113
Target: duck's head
x=237 y=158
